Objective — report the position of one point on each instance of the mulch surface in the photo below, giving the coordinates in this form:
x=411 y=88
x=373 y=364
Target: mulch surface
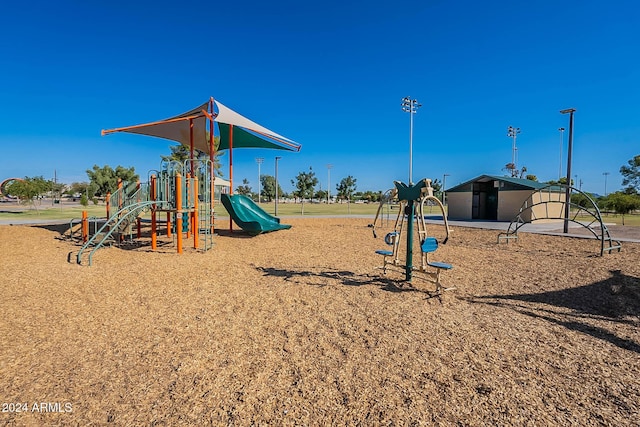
x=299 y=327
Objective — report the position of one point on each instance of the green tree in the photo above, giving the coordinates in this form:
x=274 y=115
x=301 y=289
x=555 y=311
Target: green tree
x=244 y=189
x=534 y=178
x=80 y=188
x=180 y=153
x=370 y=196
x=437 y=188
x=29 y=189
x=105 y=179
x=321 y=195
x=268 y=184
x=622 y=203
x=304 y=183
x=58 y=189
x=581 y=199
x=345 y=189
x=631 y=173
x=562 y=181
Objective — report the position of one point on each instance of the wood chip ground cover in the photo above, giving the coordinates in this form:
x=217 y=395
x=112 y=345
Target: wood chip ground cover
x=298 y=327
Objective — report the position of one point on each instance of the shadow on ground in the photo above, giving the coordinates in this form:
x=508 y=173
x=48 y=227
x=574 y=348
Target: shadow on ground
x=346 y=278
x=616 y=300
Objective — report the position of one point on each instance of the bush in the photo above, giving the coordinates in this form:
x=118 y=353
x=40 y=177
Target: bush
x=84 y=201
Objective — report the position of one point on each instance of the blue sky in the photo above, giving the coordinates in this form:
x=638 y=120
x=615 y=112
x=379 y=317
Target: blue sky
x=329 y=75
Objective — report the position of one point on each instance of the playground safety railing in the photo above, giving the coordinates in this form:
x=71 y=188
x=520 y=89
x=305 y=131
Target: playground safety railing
x=116 y=225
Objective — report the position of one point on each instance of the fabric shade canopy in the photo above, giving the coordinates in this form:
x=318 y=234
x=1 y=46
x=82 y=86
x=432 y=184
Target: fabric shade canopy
x=246 y=133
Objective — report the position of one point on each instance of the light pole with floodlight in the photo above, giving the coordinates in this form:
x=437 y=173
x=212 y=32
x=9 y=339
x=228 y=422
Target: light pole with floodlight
x=259 y=161
x=444 y=183
x=567 y=194
x=410 y=106
x=513 y=133
x=329 y=166
x=561 y=144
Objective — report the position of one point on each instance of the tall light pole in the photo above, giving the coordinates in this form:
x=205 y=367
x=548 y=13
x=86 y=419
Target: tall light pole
x=561 y=145
x=444 y=185
x=259 y=161
x=567 y=193
x=277 y=158
x=329 y=166
x=410 y=106
x=605 y=182
x=513 y=133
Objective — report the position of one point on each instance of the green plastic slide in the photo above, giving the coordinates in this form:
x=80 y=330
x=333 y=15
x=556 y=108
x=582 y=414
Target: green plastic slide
x=249 y=216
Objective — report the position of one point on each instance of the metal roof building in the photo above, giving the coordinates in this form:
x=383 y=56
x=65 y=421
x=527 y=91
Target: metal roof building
x=490 y=197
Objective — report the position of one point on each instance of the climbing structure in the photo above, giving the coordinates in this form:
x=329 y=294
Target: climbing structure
x=184 y=191
x=549 y=203
x=5 y=183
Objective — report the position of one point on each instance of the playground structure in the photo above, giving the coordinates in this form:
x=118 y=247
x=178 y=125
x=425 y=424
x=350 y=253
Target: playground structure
x=185 y=191
x=249 y=216
x=5 y=183
x=549 y=204
x=412 y=200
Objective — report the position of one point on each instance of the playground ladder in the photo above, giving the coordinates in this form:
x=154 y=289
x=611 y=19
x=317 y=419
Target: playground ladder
x=117 y=224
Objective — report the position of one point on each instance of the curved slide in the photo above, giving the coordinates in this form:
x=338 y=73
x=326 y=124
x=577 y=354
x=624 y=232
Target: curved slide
x=249 y=216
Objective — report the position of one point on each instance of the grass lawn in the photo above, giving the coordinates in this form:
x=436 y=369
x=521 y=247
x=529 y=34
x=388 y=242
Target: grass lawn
x=48 y=211
x=67 y=211
x=633 y=219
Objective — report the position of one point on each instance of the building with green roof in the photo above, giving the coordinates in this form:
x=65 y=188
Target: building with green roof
x=500 y=198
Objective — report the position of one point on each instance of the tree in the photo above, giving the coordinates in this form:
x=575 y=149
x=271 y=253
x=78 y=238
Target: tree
x=268 y=184
x=321 y=195
x=346 y=188
x=561 y=181
x=105 y=179
x=631 y=173
x=79 y=188
x=304 y=183
x=582 y=199
x=534 y=178
x=622 y=203
x=370 y=196
x=29 y=189
x=437 y=188
x=244 y=188
x=180 y=153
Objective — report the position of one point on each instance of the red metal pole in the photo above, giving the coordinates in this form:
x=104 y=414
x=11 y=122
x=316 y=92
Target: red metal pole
x=120 y=198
